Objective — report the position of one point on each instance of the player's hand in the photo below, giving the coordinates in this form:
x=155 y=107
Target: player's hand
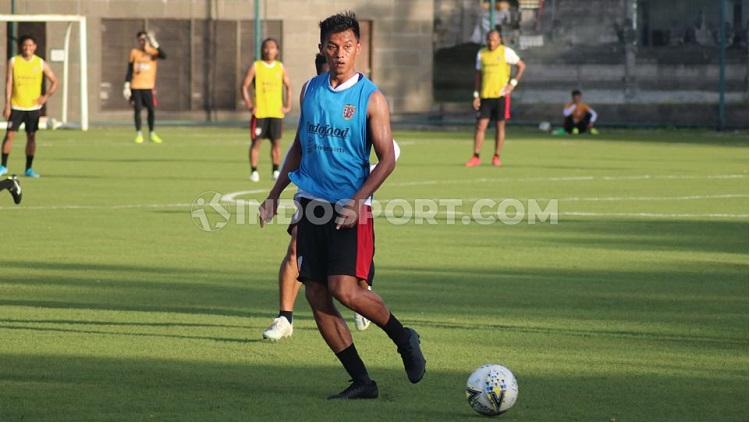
x=348 y=215
x=250 y=107
x=267 y=210
x=476 y=103
x=42 y=100
x=126 y=93
x=6 y=112
x=508 y=89
x=286 y=109
x=152 y=39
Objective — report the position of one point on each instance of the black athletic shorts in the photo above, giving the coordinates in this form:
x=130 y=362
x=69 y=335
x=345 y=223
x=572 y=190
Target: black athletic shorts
x=323 y=250
x=269 y=128
x=142 y=98
x=497 y=109
x=29 y=117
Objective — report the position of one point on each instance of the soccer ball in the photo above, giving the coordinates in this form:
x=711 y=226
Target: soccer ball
x=491 y=390
x=545 y=126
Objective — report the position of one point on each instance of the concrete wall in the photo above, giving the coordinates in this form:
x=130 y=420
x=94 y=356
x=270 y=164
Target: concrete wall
x=401 y=55
x=588 y=46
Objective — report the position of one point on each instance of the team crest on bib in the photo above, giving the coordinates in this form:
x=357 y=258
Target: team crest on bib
x=349 y=110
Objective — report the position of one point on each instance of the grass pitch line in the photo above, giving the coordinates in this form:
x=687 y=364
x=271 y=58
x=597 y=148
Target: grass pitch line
x=568 y=178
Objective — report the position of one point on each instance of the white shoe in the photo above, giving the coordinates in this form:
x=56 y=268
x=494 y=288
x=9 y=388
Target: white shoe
x=255 y=176
x=280 y=328
x=276 y=174
x=361 y=322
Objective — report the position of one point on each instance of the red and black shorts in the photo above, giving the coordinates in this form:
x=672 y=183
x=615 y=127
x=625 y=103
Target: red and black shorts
x=323 y=250
x=269 y=128
x=497 y=109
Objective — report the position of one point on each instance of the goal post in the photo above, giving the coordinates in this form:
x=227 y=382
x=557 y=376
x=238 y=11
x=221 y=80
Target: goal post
x=83 y=58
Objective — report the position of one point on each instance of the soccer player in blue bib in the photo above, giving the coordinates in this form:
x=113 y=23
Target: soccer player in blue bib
x=343 y=117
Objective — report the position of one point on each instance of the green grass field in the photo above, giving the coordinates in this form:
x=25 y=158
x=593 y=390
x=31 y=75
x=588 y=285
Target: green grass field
x=114 y=305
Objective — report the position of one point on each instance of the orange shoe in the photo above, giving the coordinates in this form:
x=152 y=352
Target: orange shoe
x=496 y=161
x=474 y=161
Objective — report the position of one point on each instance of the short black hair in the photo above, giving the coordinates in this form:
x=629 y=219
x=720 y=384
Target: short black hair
x=25 y=37
x=320 y=60
x=575 y=93
x=138 y=35
x=339 y=22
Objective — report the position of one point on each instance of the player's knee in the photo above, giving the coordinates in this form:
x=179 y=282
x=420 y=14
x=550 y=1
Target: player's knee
x=343 y=292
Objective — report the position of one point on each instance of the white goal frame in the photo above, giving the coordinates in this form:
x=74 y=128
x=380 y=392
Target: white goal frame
x=83 y=54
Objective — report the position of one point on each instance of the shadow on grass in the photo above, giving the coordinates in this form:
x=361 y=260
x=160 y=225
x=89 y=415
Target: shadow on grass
x=81 y=388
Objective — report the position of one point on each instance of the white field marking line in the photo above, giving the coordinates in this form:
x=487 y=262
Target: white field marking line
x=92 y=207
x=571 y=199
x=568 y=178
x=441 y=215
x=231 y=197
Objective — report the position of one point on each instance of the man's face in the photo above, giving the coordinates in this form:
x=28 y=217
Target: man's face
x=142 y=41
x=493 y=40
x=270 y=50
x=341 y=50
x=577 y=98
x=28 y=48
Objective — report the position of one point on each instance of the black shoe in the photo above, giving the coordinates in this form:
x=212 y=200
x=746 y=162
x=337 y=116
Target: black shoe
x=15 y=190
x=411 y=353
x=358 y=390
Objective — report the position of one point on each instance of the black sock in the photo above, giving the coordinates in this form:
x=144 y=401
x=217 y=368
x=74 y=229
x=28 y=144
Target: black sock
x=275 y=167
x=286 y=314
x=476 y=155
x=29 y=160
x=395 y=330
x=253 y=168
x=5 y=160
x=354 y=365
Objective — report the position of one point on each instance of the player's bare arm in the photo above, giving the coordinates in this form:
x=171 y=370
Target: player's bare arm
x=8 y=89
x=379 y=133
x=246 y=84
x=477 y=89
x=520 y=68
x=292 y=160
x=287 y=93
x=53 y=83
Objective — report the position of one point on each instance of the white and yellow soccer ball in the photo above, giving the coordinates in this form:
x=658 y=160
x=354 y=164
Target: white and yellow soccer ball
x=491 y=390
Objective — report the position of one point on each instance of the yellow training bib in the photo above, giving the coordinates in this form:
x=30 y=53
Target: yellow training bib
x=268 y=96
x=495 y=72
x=27 y=82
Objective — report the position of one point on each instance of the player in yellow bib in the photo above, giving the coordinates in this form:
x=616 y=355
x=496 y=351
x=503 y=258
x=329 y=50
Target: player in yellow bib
x=492 y=88
x=140 y=82
x=267 y=77
x=24 y=99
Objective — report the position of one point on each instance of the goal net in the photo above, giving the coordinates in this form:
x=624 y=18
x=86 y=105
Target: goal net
x=60 y=118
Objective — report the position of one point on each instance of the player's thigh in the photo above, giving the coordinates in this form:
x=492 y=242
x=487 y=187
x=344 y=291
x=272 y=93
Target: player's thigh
x=15 y=120
x=32 y=122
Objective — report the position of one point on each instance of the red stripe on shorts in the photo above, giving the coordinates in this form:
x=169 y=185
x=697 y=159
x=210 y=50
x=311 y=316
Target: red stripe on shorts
x=365 y=244
x=507 y=107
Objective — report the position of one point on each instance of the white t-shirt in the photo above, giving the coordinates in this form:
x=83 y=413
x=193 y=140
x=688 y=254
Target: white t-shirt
x=511 y=58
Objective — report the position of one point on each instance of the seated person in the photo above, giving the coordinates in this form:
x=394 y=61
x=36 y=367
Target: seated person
x=579 y=117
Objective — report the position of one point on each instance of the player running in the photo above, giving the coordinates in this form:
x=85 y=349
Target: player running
x=267 y=76
x=24 y=99
x=343 y=115
x=283 y=325
x=140 y=82
x=492 y=89
x=13 y=185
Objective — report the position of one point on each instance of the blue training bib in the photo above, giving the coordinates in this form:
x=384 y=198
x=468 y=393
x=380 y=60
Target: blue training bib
x=333 y=139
